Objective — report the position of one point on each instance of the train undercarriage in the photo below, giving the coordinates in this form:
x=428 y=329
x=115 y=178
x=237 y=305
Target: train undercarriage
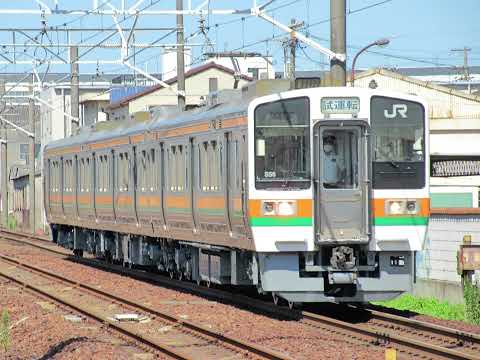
x=332 y=274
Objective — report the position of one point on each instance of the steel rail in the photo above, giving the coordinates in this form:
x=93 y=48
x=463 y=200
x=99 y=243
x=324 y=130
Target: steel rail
x=310 y=317
x=241 y=344
x=422 y=325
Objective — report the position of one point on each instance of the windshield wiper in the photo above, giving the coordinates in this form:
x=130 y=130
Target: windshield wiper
x=394 y=164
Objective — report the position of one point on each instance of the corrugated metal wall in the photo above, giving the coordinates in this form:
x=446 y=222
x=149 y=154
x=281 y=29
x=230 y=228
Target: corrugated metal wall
x=444 y=103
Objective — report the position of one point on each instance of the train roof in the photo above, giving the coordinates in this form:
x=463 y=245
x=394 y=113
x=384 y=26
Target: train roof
x=161 y=121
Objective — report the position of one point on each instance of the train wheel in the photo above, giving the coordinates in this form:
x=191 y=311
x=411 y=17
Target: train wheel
x=291 y=305
x=208 y=283
x=199 y=280
x=171 y=273
x=180 y=275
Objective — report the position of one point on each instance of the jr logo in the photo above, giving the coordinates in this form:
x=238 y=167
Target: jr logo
x=396 y=109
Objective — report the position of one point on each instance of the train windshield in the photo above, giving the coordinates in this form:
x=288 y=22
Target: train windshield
x=282 y=144
x=398 y=128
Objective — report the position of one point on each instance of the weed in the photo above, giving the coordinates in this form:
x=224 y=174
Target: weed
x=5 y=330
x=471 y=294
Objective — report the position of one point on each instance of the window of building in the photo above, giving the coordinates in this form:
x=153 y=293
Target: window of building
x=23 y=152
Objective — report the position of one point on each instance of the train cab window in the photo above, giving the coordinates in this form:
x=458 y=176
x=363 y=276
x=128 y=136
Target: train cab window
x=282 y=144
x=398 y=130
x=340 y=159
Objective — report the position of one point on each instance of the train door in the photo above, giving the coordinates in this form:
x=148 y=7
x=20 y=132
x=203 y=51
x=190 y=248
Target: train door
x=124 y=200
x=236 y=183
x=341 y=179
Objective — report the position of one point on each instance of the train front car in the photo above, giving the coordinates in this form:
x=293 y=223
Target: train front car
x=338 y=192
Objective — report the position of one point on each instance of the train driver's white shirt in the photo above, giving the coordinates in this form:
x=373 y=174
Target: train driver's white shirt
x=331 y=167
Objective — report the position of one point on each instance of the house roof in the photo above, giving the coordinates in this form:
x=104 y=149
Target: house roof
x=189 y=73
x=426 y=84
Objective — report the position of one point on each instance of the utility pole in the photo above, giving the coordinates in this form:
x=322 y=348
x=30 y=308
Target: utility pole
x=31 y=159
x=180 y=58
x=466 y=71
x=74 y=90
x=4 y=166
x=290 y=52
x=338 y=41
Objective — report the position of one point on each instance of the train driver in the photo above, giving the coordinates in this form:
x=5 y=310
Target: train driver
x=333 y=164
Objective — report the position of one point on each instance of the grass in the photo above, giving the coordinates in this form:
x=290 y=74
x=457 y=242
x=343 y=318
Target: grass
x=426 y=306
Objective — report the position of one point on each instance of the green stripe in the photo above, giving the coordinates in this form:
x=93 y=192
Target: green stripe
x=280 y=221
x=393 y=221
x=206 y=211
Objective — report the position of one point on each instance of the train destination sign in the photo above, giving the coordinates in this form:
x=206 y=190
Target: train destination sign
x=344 y=105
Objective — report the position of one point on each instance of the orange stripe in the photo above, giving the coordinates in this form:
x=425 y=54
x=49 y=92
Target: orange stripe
x=110 y=143
x=211 y=203
x=379 y=207
x=84 y=199
x=68 y=150
x=177 y=201
x=304 y=208
x=124 y=200
x=134 y=139
x=183 y=131
x=68 y=198
x=234 y=122
x=149 y=201
x=103 y=199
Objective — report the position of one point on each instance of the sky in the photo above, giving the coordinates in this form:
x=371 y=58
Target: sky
x=421 y=32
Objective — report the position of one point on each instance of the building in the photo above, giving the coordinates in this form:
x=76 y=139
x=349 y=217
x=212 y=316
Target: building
x=199 y=82
x=455 y=177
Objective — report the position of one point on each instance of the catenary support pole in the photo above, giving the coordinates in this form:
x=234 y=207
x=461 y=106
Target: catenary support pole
x=31 y=160
x=180 y=58
x=338 y=41
x=74 y=91
x=4 y=166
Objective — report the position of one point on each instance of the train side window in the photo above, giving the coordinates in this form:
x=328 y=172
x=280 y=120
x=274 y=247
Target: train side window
x=127 y=172
x=87 y=175
x=180 y=160
x=204 y=167
x=153 y=171
x=143 y=171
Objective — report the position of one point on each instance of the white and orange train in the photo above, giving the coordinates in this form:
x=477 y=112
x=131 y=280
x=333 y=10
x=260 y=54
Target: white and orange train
x=312 y=195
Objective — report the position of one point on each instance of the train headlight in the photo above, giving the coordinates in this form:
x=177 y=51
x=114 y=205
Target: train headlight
x=279 y=207
x=268 y=208
x=401 y=207
x=287 y=208
x=412 y=207
x=395 y=207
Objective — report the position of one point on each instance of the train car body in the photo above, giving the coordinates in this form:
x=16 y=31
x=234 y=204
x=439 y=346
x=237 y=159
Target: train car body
x=312 y=195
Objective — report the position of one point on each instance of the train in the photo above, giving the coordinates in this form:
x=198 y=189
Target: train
x=310 y=195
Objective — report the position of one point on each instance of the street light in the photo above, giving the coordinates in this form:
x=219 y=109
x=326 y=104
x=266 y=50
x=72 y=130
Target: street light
x=380 y=42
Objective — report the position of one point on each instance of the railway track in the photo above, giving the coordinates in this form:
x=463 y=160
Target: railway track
x=173 y=336
x=412 y=338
